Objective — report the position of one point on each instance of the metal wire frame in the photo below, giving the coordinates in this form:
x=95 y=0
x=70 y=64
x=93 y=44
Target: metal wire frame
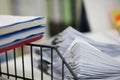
x=23 y=77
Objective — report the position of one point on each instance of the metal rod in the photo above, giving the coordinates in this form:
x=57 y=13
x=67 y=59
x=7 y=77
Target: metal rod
x=37 y=45
x=51 y=63
x=23 y=61
x=0 y=67
x=62 y=70
x=66 y=64
x=7 y=66
x=32 y=70
x=12 y=75
x=41 y=63
x=15 y=66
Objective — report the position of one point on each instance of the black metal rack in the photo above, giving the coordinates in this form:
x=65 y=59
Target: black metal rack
x=23 y=77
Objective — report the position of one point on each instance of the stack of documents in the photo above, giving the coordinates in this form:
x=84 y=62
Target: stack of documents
x=18 y=30
x=64 y=39
x=89 y=60
x=88 y=63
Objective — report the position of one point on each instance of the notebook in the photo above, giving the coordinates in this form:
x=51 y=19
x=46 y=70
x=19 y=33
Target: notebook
x=20 y=42
x=9 y=23
x=40 y=27
x=21 y=35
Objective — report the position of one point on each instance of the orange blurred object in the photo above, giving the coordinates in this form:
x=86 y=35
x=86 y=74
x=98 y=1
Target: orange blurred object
x=116 y=18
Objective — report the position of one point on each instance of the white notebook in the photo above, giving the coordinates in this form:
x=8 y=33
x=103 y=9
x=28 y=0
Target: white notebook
x=21 y=35
x=9 y=23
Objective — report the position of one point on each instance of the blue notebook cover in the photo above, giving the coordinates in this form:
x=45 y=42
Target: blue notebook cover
x=18 y=40
x=20 y=31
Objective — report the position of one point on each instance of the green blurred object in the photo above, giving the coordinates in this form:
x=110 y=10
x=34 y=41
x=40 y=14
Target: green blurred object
x=67 y=11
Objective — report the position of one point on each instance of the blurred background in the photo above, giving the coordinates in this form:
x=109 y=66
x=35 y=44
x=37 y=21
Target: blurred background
x=83 y=15
x=86 y=16
x=59 y=13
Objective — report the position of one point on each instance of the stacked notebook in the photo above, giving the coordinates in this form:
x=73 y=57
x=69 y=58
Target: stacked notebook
x=16 y=31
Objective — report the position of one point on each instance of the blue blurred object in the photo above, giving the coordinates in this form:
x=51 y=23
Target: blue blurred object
x=4 y=55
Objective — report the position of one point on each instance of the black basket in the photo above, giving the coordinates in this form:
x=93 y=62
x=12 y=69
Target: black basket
x=16 y=76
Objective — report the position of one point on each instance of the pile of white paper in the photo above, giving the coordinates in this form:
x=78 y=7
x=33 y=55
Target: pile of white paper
x=90 y=63
x=63 y=40
x=87 y=58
